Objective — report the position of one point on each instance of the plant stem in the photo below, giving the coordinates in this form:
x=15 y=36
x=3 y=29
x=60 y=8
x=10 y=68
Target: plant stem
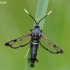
x=40 y=12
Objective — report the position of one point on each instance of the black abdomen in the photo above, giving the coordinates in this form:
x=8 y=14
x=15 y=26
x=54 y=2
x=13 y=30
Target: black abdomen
x=34 y=48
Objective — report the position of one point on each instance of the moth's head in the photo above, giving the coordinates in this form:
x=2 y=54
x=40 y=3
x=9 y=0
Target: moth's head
x=37 y=25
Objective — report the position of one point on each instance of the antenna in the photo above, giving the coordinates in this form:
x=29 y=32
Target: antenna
x=45 y=16
x=29 y=14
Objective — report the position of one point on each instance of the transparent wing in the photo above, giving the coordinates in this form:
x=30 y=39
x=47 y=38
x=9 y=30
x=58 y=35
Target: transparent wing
x=49 y=46
x=19 y=42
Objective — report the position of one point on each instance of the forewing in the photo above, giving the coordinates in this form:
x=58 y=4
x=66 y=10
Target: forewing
x=49 y=46
x=19 y=42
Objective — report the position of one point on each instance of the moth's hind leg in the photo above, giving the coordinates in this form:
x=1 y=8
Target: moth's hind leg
x=32 y=64
x=37 y=60
x=29 y=59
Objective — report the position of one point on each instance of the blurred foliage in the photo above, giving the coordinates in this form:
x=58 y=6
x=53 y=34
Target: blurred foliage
x=14 y=23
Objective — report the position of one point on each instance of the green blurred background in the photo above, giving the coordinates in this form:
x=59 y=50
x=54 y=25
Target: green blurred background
x=14 y=23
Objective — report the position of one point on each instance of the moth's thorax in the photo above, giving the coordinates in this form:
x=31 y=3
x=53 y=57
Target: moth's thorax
x=36 y=33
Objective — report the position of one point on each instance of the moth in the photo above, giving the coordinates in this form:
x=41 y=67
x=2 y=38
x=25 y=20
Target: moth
x=34 y=38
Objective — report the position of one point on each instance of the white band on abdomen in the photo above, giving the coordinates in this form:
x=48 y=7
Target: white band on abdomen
x=34 y=43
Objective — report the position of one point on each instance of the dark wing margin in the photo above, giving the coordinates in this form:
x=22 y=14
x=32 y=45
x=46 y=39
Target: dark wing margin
x=19 y=42
x=49 y=46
